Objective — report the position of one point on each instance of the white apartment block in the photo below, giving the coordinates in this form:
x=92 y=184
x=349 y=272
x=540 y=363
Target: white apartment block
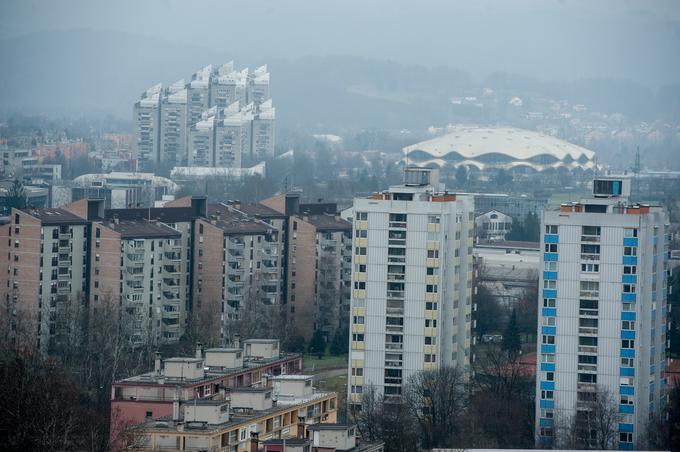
x=221 y=118
x=146 y=126
x=173 y=136
x=411 y=284
x=603 y=317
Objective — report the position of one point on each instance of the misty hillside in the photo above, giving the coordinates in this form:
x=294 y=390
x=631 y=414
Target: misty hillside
x=104 y=71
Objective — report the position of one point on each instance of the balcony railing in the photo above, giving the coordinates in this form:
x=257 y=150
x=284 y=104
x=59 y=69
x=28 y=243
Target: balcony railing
x=587 y=348
x=590 y=257
x=590 y=238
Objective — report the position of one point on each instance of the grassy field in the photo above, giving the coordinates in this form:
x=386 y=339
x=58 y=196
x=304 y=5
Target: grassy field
x=312 y=363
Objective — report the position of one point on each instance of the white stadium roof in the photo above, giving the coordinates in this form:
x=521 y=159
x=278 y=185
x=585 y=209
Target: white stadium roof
x=499 y=147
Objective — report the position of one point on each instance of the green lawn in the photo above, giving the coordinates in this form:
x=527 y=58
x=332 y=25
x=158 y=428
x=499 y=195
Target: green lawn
x=312 y=363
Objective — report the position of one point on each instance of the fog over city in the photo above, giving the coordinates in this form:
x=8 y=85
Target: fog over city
x=339 y=225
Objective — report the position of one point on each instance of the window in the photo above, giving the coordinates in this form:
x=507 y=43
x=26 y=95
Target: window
x=360 y=285
x=627 y=307
x=432 y=271
x=357 y=337
x=551 y=229
x=360 y=250
x=587 y=359
x=430 y=340
x=587 y=341
x=587 y=378
x=357 y=389
x=548 y=302
x=629 y=288
x=547 y=394
x=433 y=219
x=430 y=358
x=361 y=268
x=430 y=323
x=630 y=250
x=357 y=371
x=431 y=306
x=627 y=325
x=431 y=288
x=550 y=266
x=361 y=233
x=627 y=343
x=362 y=216
x=358 y=320
x=549 y=284
x=626 y=437
x=549 y=321
x=590 y=268
x=590 y=230
x=630 y=232
x=548 y=339
x=433 y=254
x=627 y=362
x=551 y=247
x=547 y=358
x=629 y=269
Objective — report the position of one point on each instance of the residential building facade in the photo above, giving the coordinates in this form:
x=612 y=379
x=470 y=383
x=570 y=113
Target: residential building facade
x=603 y=318
x=411 y=284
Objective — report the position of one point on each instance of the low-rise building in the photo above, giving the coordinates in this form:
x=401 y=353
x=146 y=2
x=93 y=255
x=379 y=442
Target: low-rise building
x=493 y=226
x=150 y=396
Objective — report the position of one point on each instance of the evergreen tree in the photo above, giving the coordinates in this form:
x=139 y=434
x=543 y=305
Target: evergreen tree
x=511 y=340
x=317 y=345
x=340 y=343
x=16 y=196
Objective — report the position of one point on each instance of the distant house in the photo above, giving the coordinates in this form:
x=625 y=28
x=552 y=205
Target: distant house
x=493 y=225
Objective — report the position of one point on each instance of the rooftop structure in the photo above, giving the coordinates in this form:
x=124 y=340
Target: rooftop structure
x=485 y=148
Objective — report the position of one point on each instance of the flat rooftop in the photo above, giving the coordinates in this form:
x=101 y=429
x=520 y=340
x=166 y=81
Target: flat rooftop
x=142 y=229
x=152 y=378
x=55 y=217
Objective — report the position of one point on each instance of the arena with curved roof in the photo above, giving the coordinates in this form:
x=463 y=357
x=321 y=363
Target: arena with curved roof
x=488 y=148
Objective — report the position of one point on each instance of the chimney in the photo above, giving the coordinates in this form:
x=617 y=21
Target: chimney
x=175 y=405
x=264 y=380
x=199 y=350
x=254 y=442
x=237 y=341
x=301 y=427
x=157 y=363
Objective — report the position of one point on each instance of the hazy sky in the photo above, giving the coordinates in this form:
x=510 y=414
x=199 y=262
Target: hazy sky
x=550 y=39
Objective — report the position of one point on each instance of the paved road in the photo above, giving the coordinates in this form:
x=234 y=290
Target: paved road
x=329 y=373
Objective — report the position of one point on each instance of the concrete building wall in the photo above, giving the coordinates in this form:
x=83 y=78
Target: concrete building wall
x=301 y=269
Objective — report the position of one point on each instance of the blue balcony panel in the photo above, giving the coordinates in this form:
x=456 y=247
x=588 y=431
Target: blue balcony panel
x=548 y=367
x=551 y=238
x=627 y=353
x=629 y=279
x=548 y=330
x=550 y=257
x=627 y=334
x=547 y=404
x=630 y=241
x=626 y=428
x=628 y=297
x=626 y=390
x=550 y=275
x=547 y=348
x=626 y=409
x=627 y=371
x=629 y=260
x=628 y=315
x=548 y=385
x=549 y=312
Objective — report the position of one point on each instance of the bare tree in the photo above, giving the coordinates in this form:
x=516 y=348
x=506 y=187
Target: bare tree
x=594 y=426
x=505 y=387
x=437 y=399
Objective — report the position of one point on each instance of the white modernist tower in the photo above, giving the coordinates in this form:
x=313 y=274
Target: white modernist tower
x=603 y=317
x=411 y=284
